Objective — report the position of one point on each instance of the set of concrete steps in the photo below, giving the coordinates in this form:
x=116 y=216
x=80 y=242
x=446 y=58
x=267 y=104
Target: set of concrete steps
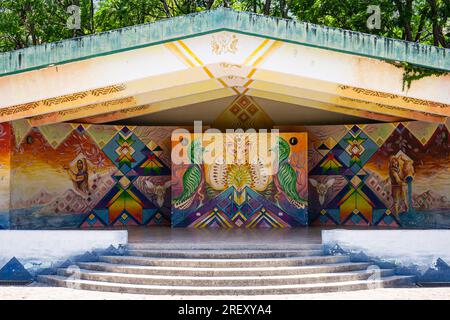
x=186 y=269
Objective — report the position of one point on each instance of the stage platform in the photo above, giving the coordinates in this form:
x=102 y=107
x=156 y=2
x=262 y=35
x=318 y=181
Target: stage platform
x=213 y=236
x=166 y=237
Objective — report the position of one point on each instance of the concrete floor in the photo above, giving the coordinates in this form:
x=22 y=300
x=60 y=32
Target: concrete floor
x=39 y=292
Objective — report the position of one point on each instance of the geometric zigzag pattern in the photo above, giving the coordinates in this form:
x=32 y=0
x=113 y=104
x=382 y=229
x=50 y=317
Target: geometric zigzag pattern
x=364 y=197
x=356 y=160
x=124 y=204
x=355 y=203
x=234 y=209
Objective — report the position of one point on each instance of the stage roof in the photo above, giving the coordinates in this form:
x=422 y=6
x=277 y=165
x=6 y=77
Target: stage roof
x=224 y=19
x=213 y=55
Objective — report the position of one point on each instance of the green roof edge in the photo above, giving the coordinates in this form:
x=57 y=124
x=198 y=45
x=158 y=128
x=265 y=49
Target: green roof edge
x=220 y=19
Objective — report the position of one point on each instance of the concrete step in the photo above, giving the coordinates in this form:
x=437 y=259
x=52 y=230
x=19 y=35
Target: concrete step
x=224 y=263
x=224 y=254
x=228 y=290
x=223 y=245
x=170 y=280
x=222 y=272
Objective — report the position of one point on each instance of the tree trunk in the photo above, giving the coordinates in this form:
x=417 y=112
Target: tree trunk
x=166 y=8
x=209 y=4
x=421 y=25
x=267 y=7
x=438 y=36
x=92 y=16
x=405 y=18
x=283 y=8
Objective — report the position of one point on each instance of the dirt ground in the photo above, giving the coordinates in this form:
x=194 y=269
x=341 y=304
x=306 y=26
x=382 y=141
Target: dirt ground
x=39 y=292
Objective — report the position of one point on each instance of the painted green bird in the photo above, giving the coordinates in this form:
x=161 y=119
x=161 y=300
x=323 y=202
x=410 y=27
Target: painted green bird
x=287 y=176
x=192 y=177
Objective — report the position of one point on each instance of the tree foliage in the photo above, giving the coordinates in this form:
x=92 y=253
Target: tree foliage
x=25 y=23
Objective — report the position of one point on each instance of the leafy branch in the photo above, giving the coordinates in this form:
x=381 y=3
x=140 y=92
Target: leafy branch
x=412 y=73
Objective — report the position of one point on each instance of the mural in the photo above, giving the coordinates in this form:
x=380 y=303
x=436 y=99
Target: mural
x=5 y=158
x=72 y=175
x=245 y=113
x=240 y=181
x=390 y=174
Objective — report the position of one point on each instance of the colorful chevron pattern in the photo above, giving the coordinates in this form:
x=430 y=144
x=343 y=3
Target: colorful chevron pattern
x=353 y=165
x=98 y=176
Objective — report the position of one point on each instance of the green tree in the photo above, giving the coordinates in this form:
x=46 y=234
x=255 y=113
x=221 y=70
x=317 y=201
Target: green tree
x=25 y=23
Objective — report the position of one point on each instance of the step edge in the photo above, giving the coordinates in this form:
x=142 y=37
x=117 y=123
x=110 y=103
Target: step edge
x=221 y=278
x=246 y=288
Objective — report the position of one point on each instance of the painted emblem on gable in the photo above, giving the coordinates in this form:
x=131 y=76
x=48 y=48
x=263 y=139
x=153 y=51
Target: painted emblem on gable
x=224 y=43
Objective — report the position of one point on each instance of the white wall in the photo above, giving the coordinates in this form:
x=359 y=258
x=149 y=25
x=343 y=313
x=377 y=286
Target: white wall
x=40 y=249
x=403 y=247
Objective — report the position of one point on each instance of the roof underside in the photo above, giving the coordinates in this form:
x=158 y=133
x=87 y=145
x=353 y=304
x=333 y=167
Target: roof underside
x=281 y=114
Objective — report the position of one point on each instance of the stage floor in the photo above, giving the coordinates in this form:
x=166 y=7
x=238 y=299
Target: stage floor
x=238 y=236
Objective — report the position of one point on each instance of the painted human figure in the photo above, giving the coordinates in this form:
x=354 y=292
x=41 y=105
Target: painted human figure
x=407 y=168
x=408 y=177
x=400 y=169
x=80 y=178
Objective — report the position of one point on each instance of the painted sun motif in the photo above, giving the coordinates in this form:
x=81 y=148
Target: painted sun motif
x=242 y=173
x=239 y=176
x=222 y=176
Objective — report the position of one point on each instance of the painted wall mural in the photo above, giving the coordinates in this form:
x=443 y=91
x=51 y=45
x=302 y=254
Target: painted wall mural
x=245 y=113
x=256 y=189
x=5 y=166
x=72 y=175
x=390 y=174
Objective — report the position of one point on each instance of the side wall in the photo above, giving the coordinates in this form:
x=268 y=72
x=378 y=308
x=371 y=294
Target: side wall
x=424 y=253
x=27 y=253
x=72 y=175
x=390 y=174
x=5 y=167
